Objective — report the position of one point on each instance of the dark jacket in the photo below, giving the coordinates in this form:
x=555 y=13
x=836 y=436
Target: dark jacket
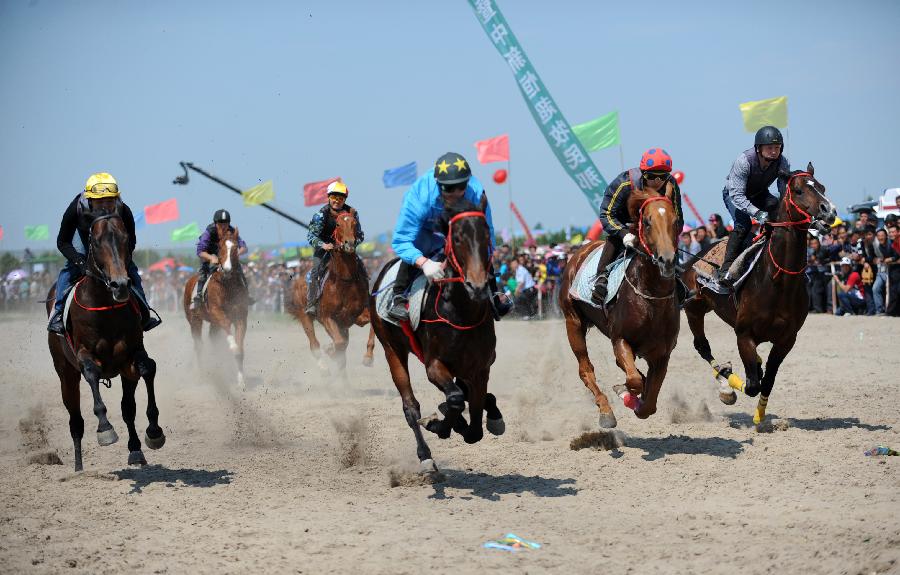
x=322 y=226
x=614 y=210
x=78 y=218
x=209 y=240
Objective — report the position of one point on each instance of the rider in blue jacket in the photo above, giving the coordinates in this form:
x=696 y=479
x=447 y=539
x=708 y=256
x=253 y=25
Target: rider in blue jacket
x=416 y=237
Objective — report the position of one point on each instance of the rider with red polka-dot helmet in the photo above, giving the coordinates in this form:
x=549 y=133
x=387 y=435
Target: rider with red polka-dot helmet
x=654 y=172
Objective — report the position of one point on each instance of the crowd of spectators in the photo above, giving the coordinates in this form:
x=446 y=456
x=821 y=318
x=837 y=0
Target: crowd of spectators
x=24 y=292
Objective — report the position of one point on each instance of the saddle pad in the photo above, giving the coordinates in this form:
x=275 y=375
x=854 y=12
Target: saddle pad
x=70 y=296
x=740 y=269
x=583 y=284
x=205 y=286
x=385 y=294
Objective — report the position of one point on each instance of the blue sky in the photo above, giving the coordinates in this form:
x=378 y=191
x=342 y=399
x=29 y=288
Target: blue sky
x=303 y=91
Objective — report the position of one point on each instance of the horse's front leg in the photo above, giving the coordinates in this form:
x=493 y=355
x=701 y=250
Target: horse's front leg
x=747 y=349
x=477 y=398
x=634 y=380
x=154 y=437
x=440 y=376
x=576 y=329
x=655 y=376
x=129 y=410
x=776 y=356
x=106 y=435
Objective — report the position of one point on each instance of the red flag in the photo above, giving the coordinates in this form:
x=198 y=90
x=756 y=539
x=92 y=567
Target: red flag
x=166 y=211
x=315 y=193
x=493 y=149
x=1 y=233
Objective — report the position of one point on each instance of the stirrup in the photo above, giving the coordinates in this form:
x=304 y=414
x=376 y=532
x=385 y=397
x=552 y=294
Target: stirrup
x=398 y=310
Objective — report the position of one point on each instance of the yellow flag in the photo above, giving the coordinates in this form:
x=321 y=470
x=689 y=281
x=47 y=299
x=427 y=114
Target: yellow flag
x=576 y=239
x=770 y=112
x=256 y=195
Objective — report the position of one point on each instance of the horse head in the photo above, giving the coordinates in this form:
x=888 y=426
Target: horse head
x=804 y=201
x=345 y=231
x=108 y=254
x=655 y=219
x=229 y=260
x=468 y=245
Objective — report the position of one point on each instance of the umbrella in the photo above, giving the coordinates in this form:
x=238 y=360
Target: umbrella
x=18 y=274
x=185 y=269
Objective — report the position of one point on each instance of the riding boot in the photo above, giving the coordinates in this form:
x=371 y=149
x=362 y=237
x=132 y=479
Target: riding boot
x=399 y=303
x=67 y=276
x=735 y=244
x=598 y=295
x=312 y=290
x=148 y=322
x=501 y=303
x=201 y=281
x=683 y=293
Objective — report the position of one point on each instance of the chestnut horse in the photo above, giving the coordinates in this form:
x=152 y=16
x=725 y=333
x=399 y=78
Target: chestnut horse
x=342 y=300
x=772 y=303
x=105 y=341
x=643 y=320
x=226 y=304
x=455 y=338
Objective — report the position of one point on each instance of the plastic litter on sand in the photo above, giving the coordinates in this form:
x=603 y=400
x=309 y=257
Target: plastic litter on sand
x=511 y=542
x=881 y=450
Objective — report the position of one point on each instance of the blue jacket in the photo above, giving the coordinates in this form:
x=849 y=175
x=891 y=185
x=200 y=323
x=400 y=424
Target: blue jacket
x=416 y=232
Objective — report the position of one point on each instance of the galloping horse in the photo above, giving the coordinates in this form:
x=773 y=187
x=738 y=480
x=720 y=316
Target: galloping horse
x=643 y=321
x=772 y=303
x=226 y=303
x=342 y=300
x=455 y=337
x=105 y=341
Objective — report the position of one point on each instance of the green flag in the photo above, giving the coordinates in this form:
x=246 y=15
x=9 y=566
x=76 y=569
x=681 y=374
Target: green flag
x=759 y=113
x=600 y=133
x=188 y=233
x=568 y=149
x=35 y=233
x=260 y=194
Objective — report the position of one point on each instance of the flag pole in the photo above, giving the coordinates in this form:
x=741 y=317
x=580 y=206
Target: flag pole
x=621 y=159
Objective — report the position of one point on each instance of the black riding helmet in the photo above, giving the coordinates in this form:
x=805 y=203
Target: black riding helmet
x=451 y=168
x=768 y=135
x=221 y=216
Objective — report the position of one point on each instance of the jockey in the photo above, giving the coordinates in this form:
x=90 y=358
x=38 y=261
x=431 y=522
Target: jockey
x=208 y=249
x=416 y=238
x=654 y=173
x=746 y=191
x=100 y=195
x=321 y=237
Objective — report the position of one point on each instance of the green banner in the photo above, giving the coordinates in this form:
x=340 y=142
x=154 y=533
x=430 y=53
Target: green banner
x=36 y=233
x=600 y=133
x=567 y=147
x=187 y=233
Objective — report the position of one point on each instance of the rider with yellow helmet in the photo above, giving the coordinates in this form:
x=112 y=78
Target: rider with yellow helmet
x=100 y=196
x=321 y=237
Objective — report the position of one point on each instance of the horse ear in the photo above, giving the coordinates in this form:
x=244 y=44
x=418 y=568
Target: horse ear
x=483 y=204
x=237 y=233
x=810 y=169
x=670 y=190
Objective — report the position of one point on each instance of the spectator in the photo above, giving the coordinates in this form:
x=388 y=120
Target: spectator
x=525 y=292
x=716 y=227
x=702 y=239
x=849 y=285
x=817 y=259
x=883 y=255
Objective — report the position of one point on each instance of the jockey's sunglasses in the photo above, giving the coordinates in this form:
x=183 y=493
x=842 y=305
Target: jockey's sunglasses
x=656 y=175
x=105 y=188
x=454 y=187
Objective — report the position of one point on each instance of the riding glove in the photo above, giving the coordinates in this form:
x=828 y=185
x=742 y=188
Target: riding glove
x=628 y=240
x=80 y=263
x=761 y=217
x=432 y=269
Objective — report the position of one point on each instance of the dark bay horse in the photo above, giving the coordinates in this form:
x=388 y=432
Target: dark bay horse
x=226 y=304
x=772 y=304
x=105 y=340
x=455 y=338
x=343 y=300
x=643 y=321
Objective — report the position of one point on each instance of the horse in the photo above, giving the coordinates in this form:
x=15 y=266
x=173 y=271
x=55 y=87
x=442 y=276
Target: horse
x=455 y=338
x=226 y=304
x=105 y=341
x=643 y=321
x=342 y=299
x=772 y=304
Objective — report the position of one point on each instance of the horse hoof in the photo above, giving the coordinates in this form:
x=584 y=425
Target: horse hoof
x=427 y=467
x=728 y=398
x=495 y=426
x=368 y=361
x=154 y=442
x=107 y=437
x=136 y=458
x=608 y=420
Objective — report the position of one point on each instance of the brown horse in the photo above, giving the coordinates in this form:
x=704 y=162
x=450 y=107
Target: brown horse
x=455 y=338
x=105 y=341
x=643 y=320
x=772 y=303
x=343 y=298
x=226 y=304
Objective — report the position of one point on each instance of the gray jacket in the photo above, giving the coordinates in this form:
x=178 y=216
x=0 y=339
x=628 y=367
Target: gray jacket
x=751 y=198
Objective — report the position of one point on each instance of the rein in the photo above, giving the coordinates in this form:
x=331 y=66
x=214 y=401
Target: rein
x=789 y=224
x=100 y=308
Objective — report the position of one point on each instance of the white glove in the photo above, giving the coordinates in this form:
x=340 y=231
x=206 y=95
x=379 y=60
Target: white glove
x=761 y=217
x=628 y=240
x=432 y=269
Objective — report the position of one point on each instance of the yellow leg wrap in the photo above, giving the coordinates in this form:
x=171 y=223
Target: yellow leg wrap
x=760 y=414
x=735 y=381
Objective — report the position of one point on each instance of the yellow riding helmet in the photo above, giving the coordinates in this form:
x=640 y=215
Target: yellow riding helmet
x=338 y=188
x=101 y=185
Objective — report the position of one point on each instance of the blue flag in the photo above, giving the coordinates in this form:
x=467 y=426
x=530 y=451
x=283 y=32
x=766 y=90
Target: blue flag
x=402 y=176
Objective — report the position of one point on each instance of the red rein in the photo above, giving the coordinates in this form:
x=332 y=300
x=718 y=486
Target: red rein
x=789 y=224
x=101 y=308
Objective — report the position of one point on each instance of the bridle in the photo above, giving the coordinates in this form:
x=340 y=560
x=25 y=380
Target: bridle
x=448 y=247
x=807 y=219
x=339 y=244
x=100 y=275
x=647 y=251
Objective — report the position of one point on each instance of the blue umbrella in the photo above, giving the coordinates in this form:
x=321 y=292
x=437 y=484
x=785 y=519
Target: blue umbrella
x=185 y=269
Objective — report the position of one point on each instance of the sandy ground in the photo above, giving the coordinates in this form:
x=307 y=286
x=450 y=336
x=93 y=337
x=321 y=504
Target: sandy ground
x=295 y=475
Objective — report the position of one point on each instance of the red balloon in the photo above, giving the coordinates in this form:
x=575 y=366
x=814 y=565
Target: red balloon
x=679 y=177
x=500 y=176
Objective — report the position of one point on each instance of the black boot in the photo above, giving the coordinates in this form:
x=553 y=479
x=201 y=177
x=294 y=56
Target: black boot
x=56 y=323
x=399 y=303
x=598 y=295
x=312 y=293
x=683 y=293
x=735 y=243
x=198 y=298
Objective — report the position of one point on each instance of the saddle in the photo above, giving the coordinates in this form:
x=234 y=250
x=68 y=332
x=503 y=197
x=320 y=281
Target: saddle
x=583 y=284
x=740 y=269
x=417 y=293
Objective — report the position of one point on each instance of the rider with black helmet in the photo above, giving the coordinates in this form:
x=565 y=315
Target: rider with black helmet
x=746 y=193
x=208 y=249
